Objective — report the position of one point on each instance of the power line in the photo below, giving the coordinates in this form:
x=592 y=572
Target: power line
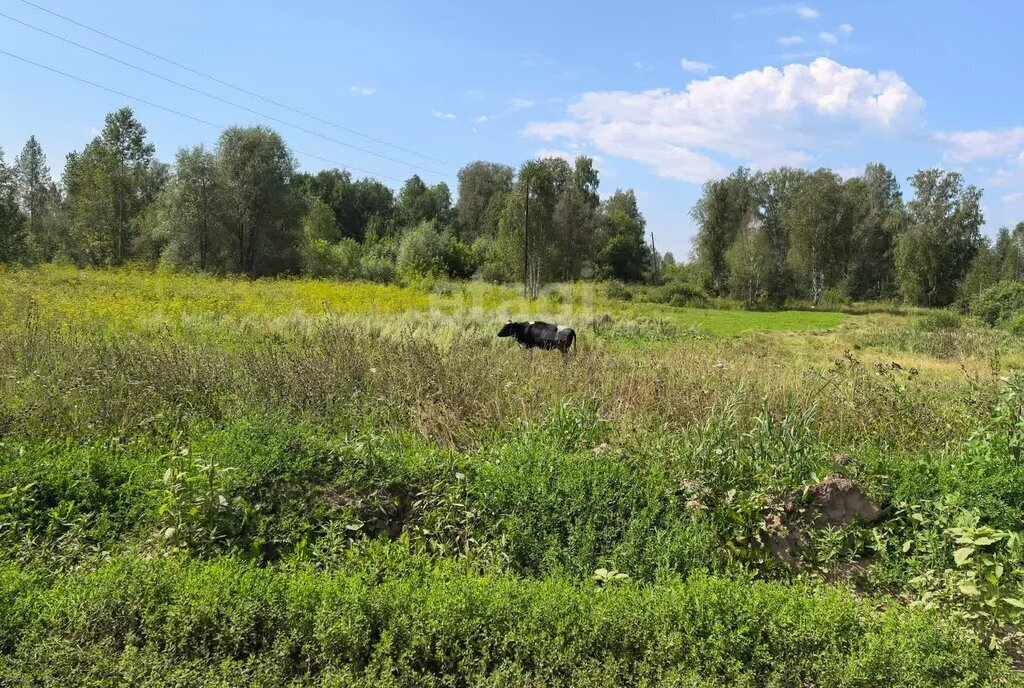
x=240 y=89
x=178 y=112
x=216 y=97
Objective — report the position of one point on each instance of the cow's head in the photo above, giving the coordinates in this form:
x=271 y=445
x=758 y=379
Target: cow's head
x=509 y=330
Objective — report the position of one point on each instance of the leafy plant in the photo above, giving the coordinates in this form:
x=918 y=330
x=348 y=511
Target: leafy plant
x=193 y=511
x=606 y=577
x=983 y=582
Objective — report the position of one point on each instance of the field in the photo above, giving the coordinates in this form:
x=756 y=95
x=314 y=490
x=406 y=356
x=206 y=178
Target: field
x=209 y=481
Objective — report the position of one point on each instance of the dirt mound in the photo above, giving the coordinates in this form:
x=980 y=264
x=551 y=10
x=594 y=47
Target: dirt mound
x=835 y=501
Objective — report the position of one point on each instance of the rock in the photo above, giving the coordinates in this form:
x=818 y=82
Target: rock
x=842 y=459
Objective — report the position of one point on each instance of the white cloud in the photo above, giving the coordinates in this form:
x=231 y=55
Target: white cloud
x=849 y=171
x=566 y=155
x=828 y=38
x=534 y=60
x=790 y=40
x=521 y=103
x=362 y=90
x=515 y=105
x=638 y=64
x=967 y=146
x=806 y=12
x=846 y=28
x=763 y=117
x=1002 y=177
x=695 y=66
x=443 y=115
x=1020 y=159
x=1013 y=197
x=799 y=9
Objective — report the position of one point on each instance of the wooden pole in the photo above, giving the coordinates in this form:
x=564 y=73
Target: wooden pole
x=526 y=244
x=654 y=259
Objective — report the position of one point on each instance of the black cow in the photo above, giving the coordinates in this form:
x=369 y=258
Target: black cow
x=540 y=334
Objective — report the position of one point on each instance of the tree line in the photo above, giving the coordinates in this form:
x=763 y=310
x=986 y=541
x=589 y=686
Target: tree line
x=243 y=207
x=789 y=233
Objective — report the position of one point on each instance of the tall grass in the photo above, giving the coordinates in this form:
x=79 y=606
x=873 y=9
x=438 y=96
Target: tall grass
x=294 y=481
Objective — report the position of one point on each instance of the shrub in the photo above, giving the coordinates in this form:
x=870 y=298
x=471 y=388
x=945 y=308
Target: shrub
x=427 y=251
x=1000 y=302
x=460 y=259
x=421 y=251
x=832 y=299
x=388 y=617
x=376 y=268
x=615 y=289
x=680 y=293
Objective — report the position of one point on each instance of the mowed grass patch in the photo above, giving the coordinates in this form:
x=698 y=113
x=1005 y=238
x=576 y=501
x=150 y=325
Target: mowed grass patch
x=738 y=322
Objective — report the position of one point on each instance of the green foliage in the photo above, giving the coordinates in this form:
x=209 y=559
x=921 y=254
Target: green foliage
x=720 y=215
x=624 y=254
x=419 y=203
x=999 y=303
x=396 y=617
x=360 y=208
x=935 y=252
x=939 y=321
x=263 y=208
x=192 y=223
x=438 y=508
x=875 y=205
x=983 y=273
x=817 y=222
x=480 y=185
x=38 y=198
x=13 y=238
x=750 y=261
x=679 y=291
x=193 y=511
x=421 y=251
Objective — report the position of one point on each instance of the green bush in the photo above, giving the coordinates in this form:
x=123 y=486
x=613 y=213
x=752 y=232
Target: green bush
x=388 y=617
x=833 y=299
x=615 y=289
x=1016 y=325
x=680 y=293
x=999 y=303
x=421 y=251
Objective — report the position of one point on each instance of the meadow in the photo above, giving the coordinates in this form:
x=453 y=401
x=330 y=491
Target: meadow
x=213 y=481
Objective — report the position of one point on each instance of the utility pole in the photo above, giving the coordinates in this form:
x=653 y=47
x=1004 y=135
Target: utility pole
x=654 y=259
x=526 y=244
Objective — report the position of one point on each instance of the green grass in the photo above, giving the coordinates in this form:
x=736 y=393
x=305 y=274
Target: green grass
x=293 y=482
x=115 y=300
x=737 y=322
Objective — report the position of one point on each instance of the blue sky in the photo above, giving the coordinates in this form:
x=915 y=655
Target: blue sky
x=662 y=94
